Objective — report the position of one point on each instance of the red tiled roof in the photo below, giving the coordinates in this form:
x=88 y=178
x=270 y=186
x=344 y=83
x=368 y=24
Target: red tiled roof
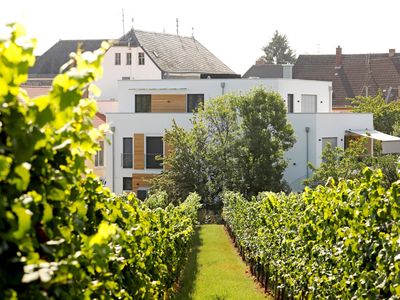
x=377 y=71
x=99 y=119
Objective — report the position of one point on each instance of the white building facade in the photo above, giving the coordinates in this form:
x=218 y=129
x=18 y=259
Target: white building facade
x=125 y=63
x=313 y=132
x=147 y=108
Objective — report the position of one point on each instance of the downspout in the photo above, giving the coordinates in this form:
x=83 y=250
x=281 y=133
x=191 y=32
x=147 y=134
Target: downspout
x=113 y=158
x=307 y=157
x=222 y=88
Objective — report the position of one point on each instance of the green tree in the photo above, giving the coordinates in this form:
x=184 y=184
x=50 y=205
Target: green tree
x=386 y=115
x=278 y=51
x=338 y=163
x=237 y=143
x=265 y=135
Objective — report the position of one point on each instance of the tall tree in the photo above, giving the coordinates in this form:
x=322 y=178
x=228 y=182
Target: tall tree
x=237 y=143
x=278 y=50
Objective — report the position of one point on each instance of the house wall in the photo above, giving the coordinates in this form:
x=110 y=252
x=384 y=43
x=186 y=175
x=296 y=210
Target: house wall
x=321 y=125
x=127 y=125
x=212 y=88
x=105 y=106
x=112 y=73
x=35 y=91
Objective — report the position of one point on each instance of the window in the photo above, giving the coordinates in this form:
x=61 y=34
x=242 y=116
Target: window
x=127 y=152
x=154 y=147
x=117 y=58
x=129 y=58
x=142 y=194
x=308 y=103
x=127 y=183
x=99 y=157
x=141 y=58
x=142 y=103
x=193 y=101
x=290 y=104
x=329 y=140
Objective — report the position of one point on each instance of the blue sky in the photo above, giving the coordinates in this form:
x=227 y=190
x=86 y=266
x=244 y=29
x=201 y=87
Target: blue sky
x=234 y=31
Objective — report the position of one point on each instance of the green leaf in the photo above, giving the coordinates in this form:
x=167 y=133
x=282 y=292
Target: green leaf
x=5 y=164
x=21 y=181
x=24 y=221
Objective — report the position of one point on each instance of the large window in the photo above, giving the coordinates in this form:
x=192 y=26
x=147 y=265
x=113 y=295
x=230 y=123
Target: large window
x=193 y=102
x=154 y=148
x=99 y=157
x=290 y=104
x=127 y=152
x=127 y=183
x=142 y=194
x=129 y=58
x=142 y=103
x=308 y=103
x=141 y=58
x=117 y=58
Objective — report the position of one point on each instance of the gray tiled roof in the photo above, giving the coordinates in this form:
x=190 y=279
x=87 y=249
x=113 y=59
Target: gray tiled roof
x=179 y=54
x=50 y=62
x=264 y=71
x=171 y=53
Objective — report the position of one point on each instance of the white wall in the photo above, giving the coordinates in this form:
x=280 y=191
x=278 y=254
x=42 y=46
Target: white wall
x=126 y=124
x=112 y=73
x=321 y=125
x=213 y=87
x=107 y=106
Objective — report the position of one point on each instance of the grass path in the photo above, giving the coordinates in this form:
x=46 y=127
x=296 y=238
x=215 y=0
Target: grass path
x=215 y=271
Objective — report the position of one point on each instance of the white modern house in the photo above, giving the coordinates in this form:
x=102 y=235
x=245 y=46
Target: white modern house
x=151 y=79
x=148 y=107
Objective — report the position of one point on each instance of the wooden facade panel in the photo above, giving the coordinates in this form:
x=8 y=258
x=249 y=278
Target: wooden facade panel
x=141 y=181
x=138 y=152
x=168 y=103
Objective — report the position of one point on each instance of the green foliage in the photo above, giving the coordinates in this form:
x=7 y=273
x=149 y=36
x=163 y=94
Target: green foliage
x=278 y=50
x=386 y=115
x=338 y=163
x=337 y=241
x=237 y=143
x=62 y=235
x=265 y=137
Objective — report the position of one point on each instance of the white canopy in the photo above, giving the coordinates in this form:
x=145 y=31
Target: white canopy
x=390 y=143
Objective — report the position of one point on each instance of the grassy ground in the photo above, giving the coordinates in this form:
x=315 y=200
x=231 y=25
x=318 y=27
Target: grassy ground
x=215 y=271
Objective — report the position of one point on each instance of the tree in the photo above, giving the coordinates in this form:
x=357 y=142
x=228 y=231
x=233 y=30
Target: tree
x=237 y=143
x=339 y=163
x=278 y=50
x=386 y=115
x=265 y=135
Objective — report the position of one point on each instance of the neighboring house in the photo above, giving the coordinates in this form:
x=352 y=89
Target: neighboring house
x=148 y=107
x=351 y=74
x=38 y=86
x=138 y=55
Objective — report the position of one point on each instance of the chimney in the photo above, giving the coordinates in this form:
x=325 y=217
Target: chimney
x=260 y=61
x=392 y=52
x=338 y=58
